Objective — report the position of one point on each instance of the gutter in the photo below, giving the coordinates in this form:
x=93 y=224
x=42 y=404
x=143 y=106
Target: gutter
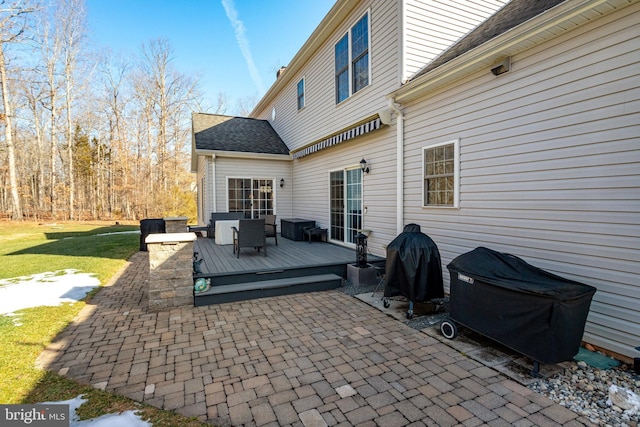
x=214 y=184
x=244 y=155
x=399 y=163
x=564 y=17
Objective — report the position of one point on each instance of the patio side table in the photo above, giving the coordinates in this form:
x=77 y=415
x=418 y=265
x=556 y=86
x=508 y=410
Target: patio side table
x=293 y=228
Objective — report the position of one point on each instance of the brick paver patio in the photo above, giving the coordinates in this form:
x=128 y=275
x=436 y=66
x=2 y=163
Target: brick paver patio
x=314 y=359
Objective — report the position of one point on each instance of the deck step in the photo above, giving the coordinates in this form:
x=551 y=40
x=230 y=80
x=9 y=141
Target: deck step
x=267 y=288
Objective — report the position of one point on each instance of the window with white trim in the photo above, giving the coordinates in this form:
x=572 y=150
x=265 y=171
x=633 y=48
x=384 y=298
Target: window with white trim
x=352 y=65
x=301 y=94
x=441 y=177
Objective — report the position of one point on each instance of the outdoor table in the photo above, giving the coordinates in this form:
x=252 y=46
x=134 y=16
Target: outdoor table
x=224 y=232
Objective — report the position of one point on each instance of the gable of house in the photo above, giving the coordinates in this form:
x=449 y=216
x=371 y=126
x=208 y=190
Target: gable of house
x=430 y=27
x=230 y=152
x=214 y=132
x=514 y=13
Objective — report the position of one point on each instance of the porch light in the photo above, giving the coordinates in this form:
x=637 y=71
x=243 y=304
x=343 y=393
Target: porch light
x=281 y=182
x=361 y=250
x=364 y=166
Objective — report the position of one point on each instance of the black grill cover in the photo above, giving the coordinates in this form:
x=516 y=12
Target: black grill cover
x=413 y=268
x=530 y=310
x=150 y=226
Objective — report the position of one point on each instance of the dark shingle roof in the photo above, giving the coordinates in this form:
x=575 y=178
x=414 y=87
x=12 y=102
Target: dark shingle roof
x=226 y=133
x=510 y=16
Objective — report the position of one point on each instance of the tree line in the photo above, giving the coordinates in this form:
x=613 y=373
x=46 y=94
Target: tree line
x=86 y=133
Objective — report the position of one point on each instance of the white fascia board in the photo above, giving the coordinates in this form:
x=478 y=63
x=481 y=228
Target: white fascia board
x=515 y=40
x=244 y=155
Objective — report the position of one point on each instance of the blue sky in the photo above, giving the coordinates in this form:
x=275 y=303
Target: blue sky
x=236 y=46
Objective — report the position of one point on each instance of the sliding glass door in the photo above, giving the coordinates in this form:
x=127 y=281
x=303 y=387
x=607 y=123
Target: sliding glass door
x=346 y=204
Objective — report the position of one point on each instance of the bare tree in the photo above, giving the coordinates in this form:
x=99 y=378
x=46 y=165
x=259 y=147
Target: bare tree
x=50 y=51
x=114 y=100
x=167 y=96
x=117 y=147
x=245 y=105
x=34 y=93
x=13 y=22
x=71 y=17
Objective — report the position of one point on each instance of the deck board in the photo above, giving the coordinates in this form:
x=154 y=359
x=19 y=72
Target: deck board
x=220 y=259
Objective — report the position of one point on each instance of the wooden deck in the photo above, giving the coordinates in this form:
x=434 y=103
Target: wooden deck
x=290 y=267
x=220 y=259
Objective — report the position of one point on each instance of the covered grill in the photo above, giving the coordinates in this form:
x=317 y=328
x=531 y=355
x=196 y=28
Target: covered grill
x=534 y=312
x=413 y=268
x=150 y=226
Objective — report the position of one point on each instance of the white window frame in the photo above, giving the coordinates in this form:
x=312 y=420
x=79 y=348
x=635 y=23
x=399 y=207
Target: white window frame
x=252 y=179
x=348 y=33
x=456 y=174
x=304 y=95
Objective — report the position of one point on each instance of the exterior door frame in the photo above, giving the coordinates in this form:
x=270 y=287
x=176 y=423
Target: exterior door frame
x=253 y=208
x=345 y=204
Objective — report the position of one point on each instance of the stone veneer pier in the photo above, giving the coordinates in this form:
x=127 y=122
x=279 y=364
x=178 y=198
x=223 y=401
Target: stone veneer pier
x=170 y=270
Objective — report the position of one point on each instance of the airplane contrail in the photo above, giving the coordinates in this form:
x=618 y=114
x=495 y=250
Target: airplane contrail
x=243 y=42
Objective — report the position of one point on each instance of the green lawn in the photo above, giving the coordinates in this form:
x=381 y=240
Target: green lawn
x=30 y=248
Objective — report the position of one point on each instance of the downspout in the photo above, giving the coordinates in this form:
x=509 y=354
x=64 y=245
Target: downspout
x=213 y=183
x=399 y=164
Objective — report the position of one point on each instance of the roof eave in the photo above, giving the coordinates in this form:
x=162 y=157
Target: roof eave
x=242 y=155
x=325 y=29
x=515 y=40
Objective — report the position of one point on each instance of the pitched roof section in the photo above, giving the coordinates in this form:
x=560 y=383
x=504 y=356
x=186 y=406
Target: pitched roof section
x=240 y=134
x=511 y=15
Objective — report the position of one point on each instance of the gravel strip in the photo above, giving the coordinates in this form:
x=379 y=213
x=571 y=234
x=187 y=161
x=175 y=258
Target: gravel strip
x=585 y=390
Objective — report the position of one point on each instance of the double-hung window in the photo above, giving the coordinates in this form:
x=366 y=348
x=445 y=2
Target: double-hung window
x=301 y=94
x=352 y=65
x=441 y=174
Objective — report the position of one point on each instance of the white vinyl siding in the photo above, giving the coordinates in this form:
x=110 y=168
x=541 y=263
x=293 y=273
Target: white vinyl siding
x=387 y=57
x=433 y=25
x=205 y=189
x=311 y=189
x=550 y=166
x=226 y=168
x=323 y=117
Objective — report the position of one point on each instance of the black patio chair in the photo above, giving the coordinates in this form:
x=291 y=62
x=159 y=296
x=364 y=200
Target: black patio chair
x=270 y=227
x=249 y=234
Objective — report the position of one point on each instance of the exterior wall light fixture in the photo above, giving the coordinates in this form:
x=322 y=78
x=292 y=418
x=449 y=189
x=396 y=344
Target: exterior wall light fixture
x=281 y=182
x=364 y=166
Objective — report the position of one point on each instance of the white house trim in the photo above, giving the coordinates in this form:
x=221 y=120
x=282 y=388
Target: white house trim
x=562 y=18
x=243 y=155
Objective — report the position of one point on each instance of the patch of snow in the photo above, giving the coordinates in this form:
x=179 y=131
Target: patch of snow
x=624 y=399
x=48 y=289
x=107 y=234
x=119 y=232
x=124 y=419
